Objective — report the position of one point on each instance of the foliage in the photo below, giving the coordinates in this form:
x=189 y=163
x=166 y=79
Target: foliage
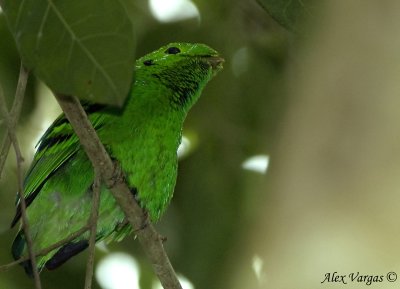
x=67 y=45
x=289 y=13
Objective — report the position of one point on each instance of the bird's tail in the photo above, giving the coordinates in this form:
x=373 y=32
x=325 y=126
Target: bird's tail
x=58 y=258
x=17 y=250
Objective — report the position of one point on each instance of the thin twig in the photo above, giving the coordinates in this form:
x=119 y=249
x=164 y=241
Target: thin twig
x=112 y=176
x=14 y=114
x=25 y=223
x=47 y=250
x=93 y=229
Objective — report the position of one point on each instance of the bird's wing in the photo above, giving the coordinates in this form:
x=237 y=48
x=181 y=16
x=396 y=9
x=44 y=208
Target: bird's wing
x=58 y=144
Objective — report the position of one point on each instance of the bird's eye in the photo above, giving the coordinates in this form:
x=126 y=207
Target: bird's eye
x=148 y=62
x=173 y=50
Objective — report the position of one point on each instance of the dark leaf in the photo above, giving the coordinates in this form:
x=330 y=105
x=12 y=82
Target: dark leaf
x=82 y=48
x=288 y=12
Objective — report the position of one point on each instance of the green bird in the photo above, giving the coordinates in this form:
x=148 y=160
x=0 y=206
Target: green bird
x=143 y=136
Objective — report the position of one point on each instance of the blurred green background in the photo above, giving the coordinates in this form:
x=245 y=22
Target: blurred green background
x=320 y=97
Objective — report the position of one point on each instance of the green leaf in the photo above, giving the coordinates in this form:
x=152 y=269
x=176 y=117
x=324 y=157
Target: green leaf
x=82 y=48
x=288 y=13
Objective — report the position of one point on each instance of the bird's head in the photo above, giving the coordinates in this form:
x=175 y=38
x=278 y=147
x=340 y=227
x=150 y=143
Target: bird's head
x=182 y=68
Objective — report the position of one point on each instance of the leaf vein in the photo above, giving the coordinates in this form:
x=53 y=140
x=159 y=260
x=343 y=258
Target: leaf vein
x=42 y=24
x=84 y=49
x=20 y=8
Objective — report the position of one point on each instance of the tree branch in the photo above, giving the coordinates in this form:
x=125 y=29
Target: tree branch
x=25 y=224
x=93 y=229
x=112 y=176
x=14 y=114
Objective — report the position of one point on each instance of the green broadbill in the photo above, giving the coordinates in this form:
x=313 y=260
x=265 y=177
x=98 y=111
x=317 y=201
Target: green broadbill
x=143 y=136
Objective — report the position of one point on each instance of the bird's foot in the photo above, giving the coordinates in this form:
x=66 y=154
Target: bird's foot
x=117 y=176
x=145 y=222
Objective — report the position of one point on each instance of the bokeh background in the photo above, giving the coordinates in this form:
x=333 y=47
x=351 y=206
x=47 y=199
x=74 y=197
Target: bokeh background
x=294 y=160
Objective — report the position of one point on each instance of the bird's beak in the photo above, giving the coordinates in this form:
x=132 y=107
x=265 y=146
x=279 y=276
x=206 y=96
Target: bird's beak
x=215 y=62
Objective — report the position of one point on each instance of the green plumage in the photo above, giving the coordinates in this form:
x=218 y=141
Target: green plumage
x=143 y=137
